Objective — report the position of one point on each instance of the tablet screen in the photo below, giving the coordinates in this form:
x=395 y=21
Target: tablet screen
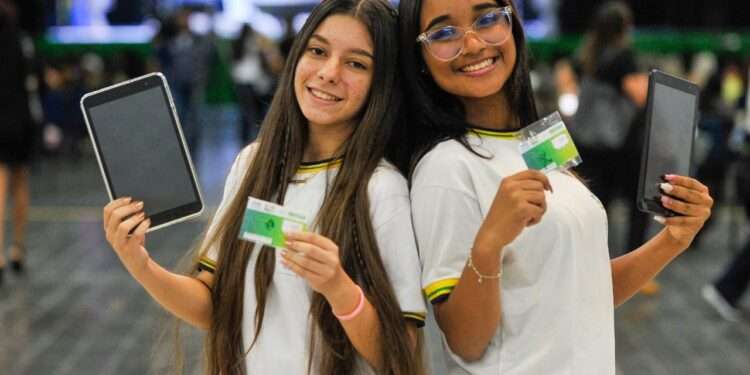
x=671 y=135
x=142 y=151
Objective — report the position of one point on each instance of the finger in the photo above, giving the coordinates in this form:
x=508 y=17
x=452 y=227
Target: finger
x=531 y=185
x=535 y=197
x=687 y=182
x=534 y=215
x=683 y=208
x=111 y=206
x=120 y=213
x=535 y=175
x=312 y=238
x=296 y=267
x=123 y=230
x=309 y=250
x=139 y=234
x=684 y=194
x=314 y=267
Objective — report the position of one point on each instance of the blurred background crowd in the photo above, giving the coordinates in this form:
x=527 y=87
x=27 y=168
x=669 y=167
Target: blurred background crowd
x=222 y=59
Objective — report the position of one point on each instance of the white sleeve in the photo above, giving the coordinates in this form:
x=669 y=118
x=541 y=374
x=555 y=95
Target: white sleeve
x=391 y=220
x=446 y=219
x=234 y=180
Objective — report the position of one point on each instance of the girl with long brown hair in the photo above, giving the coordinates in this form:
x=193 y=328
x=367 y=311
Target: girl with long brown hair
x=343 y=299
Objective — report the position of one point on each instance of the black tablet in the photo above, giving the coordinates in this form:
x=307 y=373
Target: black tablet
x=141 y=149
x=671 y=121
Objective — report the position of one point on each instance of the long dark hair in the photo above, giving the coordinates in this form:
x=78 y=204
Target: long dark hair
x=435 y=115
x=344 y=216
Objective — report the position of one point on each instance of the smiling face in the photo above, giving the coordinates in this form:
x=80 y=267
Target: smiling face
x=334 y=74
x=481 y=70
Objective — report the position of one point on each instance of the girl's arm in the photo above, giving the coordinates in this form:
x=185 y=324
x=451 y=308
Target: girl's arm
x=471 y=314
x=683 y=195
x=186 y=297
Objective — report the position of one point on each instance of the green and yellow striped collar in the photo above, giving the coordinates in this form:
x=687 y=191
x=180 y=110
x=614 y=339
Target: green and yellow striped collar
x=317 y=166
x=491 y=133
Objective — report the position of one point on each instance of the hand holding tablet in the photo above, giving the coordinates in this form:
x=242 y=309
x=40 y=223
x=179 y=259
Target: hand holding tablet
x=141 y=150
x=671 y=120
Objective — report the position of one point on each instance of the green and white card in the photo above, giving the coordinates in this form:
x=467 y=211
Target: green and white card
x=546 y=145
x=265 y=222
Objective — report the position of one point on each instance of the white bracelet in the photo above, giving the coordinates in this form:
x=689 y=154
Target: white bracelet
x=480 y=277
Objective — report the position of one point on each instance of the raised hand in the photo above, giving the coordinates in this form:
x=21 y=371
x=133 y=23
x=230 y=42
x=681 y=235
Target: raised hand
x=121 y=216
x=519 y=203
x=688 y=197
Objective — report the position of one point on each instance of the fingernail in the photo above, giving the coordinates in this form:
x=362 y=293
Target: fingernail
x=284 y=252
x=139 y=205
x=660 y=219
x=665 y=187
x=669 y=177
x=665 y=200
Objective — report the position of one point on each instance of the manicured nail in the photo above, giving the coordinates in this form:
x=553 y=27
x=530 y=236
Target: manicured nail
x=669 y=177
x=139 y=205
x=660 y=219
x=665 y=200
x=665 y=187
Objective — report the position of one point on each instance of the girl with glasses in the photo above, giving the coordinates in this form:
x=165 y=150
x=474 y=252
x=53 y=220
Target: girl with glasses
x=515 y=262
x=345 y=297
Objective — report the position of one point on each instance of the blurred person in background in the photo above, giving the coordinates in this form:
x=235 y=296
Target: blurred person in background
x=725 y=293
x=719 y=102
x=609 y=124
x=256 y=62
x=16 y=136
x=184 y=58
x=64 y=128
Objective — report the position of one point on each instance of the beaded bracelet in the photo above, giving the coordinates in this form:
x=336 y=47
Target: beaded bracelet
x=481 y=277
x=357 y=310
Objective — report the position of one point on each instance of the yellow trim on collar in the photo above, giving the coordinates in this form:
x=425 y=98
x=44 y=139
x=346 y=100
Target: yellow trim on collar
x=312 y=168
x=439 y=288
x=495 y=134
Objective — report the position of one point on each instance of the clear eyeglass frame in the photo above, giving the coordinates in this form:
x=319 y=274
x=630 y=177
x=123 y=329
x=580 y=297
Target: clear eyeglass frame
x=425 y=37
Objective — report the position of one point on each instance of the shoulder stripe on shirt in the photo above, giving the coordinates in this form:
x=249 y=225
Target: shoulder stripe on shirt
x=440 y=288
x=207 y=264
x=418 y=317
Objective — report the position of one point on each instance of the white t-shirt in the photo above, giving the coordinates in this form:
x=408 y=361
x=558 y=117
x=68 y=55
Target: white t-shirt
x=283 y=344
x=556 y=291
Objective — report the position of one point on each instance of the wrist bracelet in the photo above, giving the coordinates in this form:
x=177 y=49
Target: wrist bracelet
x=481 y=277
x=357 y=310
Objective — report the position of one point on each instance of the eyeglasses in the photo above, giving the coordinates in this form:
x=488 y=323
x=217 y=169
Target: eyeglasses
x=446 y=43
